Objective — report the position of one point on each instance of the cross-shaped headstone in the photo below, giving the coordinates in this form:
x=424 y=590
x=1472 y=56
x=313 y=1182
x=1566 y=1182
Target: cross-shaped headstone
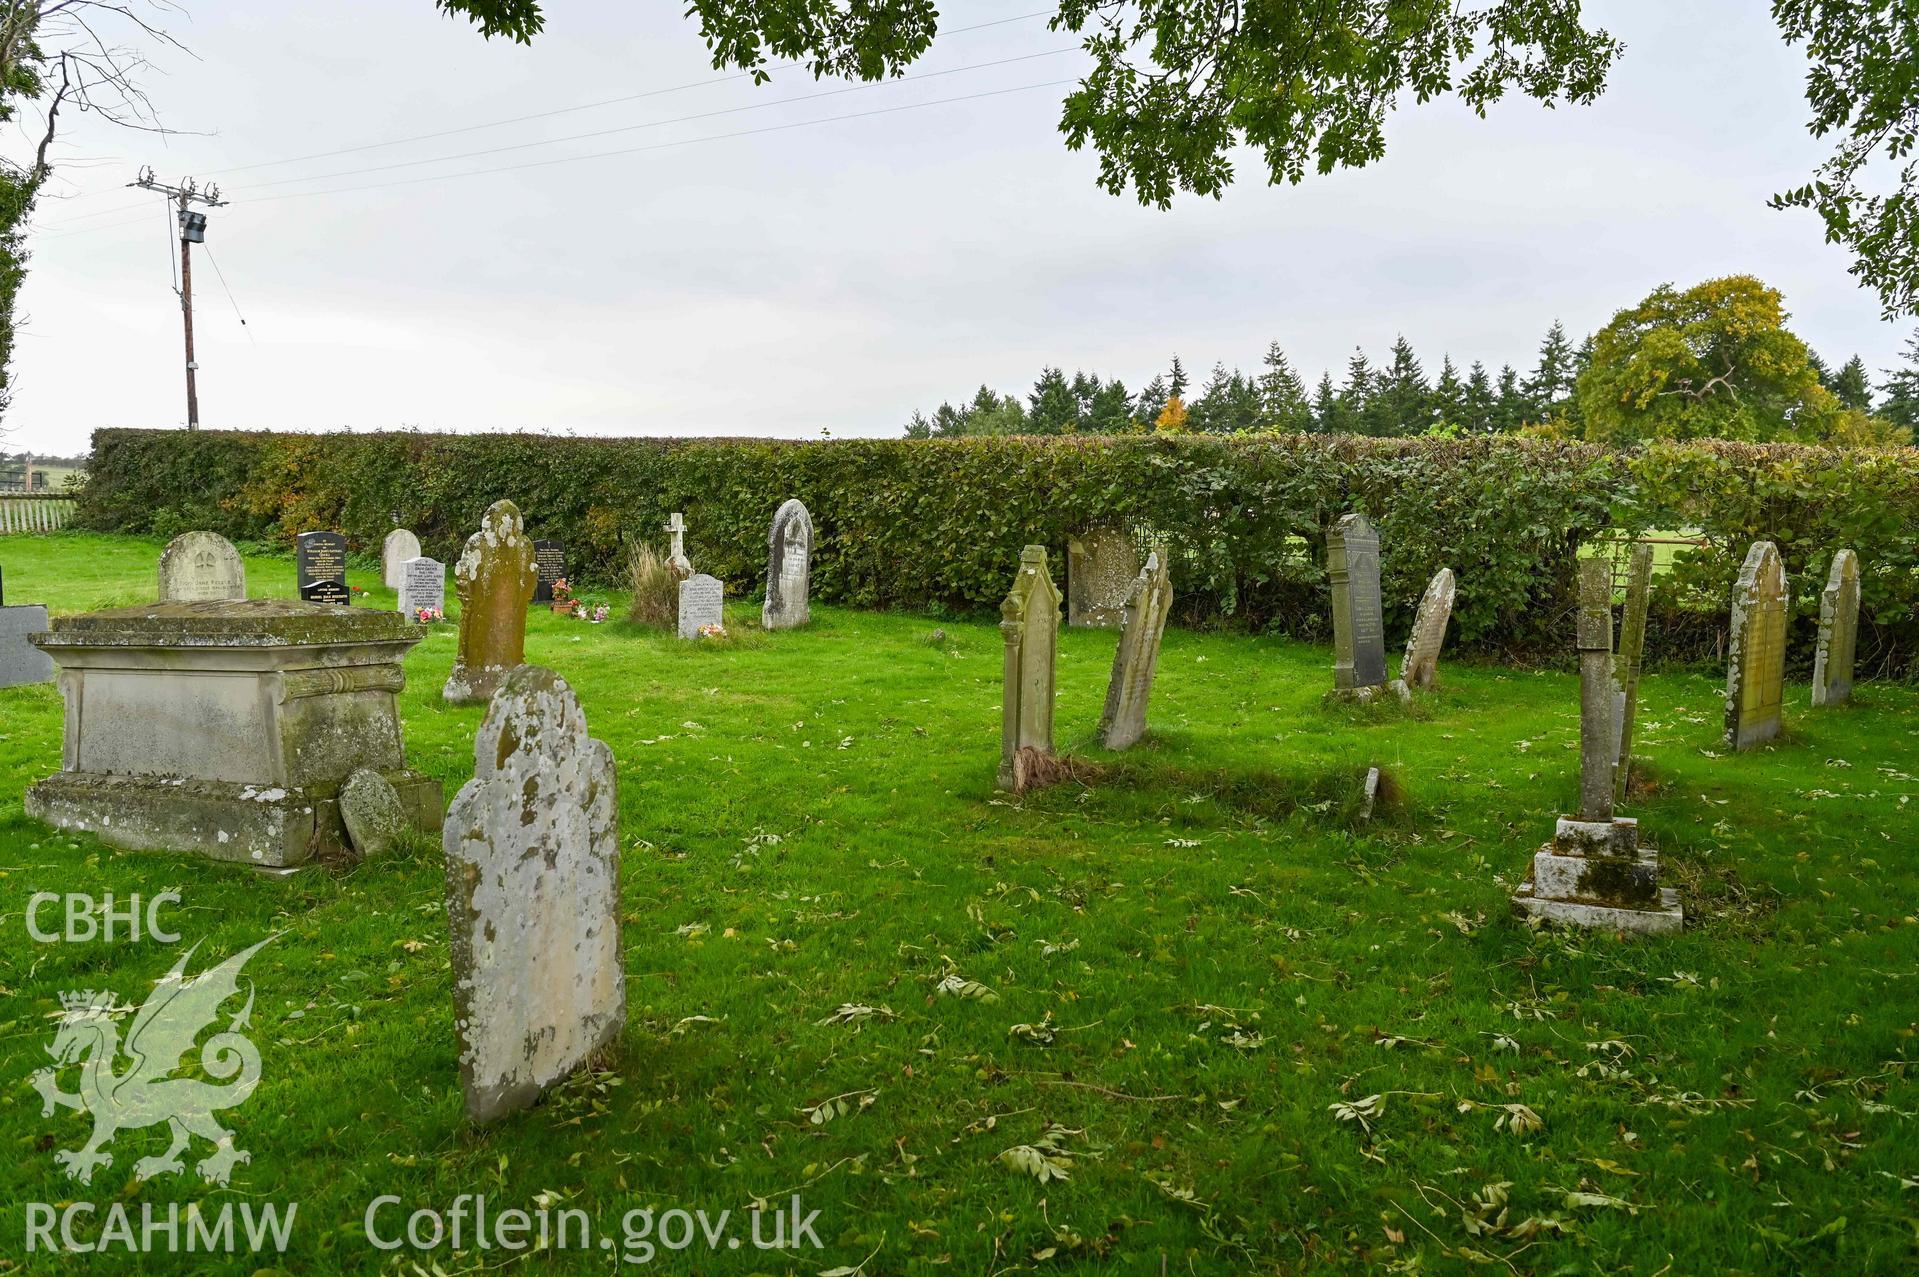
x=676 y=558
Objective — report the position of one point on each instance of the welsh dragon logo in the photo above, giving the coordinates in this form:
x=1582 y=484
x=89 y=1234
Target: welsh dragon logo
x=144 y=1093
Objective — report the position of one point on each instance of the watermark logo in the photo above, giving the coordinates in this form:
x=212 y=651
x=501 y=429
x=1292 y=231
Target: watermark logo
x=144 y=1093
x=89 y=919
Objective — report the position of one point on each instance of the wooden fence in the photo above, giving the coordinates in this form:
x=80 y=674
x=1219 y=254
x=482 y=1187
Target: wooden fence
x=40 y=512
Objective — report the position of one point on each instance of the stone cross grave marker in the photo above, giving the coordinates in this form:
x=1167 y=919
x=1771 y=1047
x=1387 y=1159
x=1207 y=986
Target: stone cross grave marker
x=422 y=585
x=494 y=580
x=1359 y=627
x=789 y=566
x=1756 y=666
x=1142 y=626
x=399 y=546
x=702 y=603
x=1630 y=660
x=1838 y=632
x=1420 y=668
x=676 y=556
x=1101 y=567
x=532 y=854
x=1029 y=624
x=320 y=566
x=199 y=567
x=549 y=565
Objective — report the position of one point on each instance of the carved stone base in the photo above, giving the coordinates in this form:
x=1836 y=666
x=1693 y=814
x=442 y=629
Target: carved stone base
x=1665 y=920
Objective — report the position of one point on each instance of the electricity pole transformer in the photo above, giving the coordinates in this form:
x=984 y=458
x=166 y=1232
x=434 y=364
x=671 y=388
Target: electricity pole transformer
x=193 y=230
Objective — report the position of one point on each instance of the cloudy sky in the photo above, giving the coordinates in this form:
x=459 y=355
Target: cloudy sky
x=836 y=275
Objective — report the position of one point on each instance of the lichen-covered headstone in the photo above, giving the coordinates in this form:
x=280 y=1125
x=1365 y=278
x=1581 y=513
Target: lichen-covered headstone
x=532 y=848
x=1029 y=624
x=372 y=813
x=1838 y=632
x=1629 y=661
x=494 y=581
x=1756 y=668
x=1420 y=668
x=789 y=566
x=1101 y=566
x=676 y=556
x=199 y=567
x=1142 y=626
x=702 y=604
x=422 y=586
x=1359 y=626
x=399 y=546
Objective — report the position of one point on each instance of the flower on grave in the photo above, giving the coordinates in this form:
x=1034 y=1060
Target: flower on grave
x=562 y=591
x=428 y=615
x=714 y=631
x=601 y=612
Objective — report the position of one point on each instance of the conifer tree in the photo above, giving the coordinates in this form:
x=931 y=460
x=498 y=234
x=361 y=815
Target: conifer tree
x=1151 y=402
x=1513 y=408
x=1851 y=385
x=1481 y=407
x=1449 y=397
x=1401 y=401
x=1176 y=380
x=1172 y=418
x=1355 y=394
x=1052 y=408
x=1901 y=386
x=1551 y=383
x=1110 y=409
x=1326 y=406
x=1282 y=396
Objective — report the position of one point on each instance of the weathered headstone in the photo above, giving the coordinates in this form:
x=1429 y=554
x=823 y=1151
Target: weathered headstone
x=676 y=556
x=20 y=661
x=1838 y=632
x=532 y=853
x=320 y=567
x=197 y=567
x=1594 y=873
x=1101 y=566
x=399 y=546
x=372 y=813
x=494 y=580
x=1420 y=668
x=549 y=563
x=1359 y=626
x=422 y=585
x=1630 y=660
x=1756 y=665
x=1142 y=626
x=1029 y=624
x=789 y=566
x=702 y=600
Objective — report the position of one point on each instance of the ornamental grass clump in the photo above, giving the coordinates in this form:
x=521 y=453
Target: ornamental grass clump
x=656 y=593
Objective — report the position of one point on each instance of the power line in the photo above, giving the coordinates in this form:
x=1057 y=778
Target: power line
x=222 y=277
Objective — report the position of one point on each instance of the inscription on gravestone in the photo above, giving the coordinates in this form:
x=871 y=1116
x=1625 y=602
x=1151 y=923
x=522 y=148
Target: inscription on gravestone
x=700 y=604
x=1756 y=670
x=549 y=560
x=422 y=585
x=200 y=566
x=1359 y=626
x=789 y=566
x=320 y=562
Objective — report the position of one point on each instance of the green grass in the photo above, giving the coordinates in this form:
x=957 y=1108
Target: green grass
x=1222 y=955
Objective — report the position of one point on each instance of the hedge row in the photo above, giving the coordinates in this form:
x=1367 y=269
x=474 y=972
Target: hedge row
x=939 y=523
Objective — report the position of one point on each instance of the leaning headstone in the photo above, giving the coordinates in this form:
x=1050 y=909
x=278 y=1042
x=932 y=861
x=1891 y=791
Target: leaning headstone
x=1756 y=667
x=1594 y=873
x=1101 y=566
x=676 y=556
x=20 y=661
x=320 y=566
x=197 y=567
x=1420 y=668
x=532 y=853
x=1631 y=658
x=1029 y=624
x=702 y=600
x=422 y=586
x=1838 y=632
x=372 y=813
x=494 y=581
x=789 y=566
x=1142 y=625
x=549 y=562
x=1359 y=627
x=399 y=546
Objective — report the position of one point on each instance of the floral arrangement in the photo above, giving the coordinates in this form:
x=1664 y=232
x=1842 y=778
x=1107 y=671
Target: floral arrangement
x=428 y=615
x=592 y=613
x=714 y=631
x=562 y=591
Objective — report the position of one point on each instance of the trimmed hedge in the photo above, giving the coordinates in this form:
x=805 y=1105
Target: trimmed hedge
x=939 y=523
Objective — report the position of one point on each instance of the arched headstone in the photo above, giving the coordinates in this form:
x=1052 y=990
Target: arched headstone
x=400 y=545
x=494 y=580
x=789 y=567
x=1756 y=668
x=200 y=567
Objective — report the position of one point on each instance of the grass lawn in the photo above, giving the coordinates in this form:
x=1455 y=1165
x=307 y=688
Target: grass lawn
x=1249 y=1034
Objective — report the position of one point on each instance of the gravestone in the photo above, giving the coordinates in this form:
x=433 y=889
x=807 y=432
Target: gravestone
x=1142 y=626
x=702 y=603
x=1029 y=624
x=372 y=813
x=1756 y=664
x=1101 y=568
x=1594 y=873
x=198 y=567
x=1420 y=668
x=676 y=556
x=549 y=564
x=399 y=546
x=1629 y=662
x=532 y=855
x=20 y=661
x=422 y=585
x=789 y=566
x=320 y=564
x=1359 y=626
x=494 y=581
x=1838 y=632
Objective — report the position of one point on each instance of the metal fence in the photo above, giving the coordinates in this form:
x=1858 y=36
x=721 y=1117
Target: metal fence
x=40 y=512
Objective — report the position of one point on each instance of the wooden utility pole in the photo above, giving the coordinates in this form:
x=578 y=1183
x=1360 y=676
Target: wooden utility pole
x=193 y=230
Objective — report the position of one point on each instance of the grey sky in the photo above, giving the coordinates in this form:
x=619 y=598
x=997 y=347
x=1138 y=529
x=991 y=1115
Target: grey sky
x=837 y=277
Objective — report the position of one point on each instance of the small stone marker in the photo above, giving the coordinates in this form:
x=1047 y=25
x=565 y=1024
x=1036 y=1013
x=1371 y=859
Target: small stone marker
x=1369 y=793
x=1101 y=568
x=789 y=567
x=1359 y=626
x=1142 y=626
x=702 y=600
x=1838 y=632
x=1629 y=662
x=1420 y=668
x=20 y=661
x=532 y=849
x=1594 y=873
x=372 y=813
x=494 y=581
x=676 y=557
x=422 y=585
x=320 y=565
x=1029 y=623
x=198 y=567
x=549 y=561
x=1756 y=668
x=399 y=546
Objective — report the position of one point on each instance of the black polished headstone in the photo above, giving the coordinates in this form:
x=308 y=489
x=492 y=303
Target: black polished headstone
x=320 y=563
x=549 y=560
